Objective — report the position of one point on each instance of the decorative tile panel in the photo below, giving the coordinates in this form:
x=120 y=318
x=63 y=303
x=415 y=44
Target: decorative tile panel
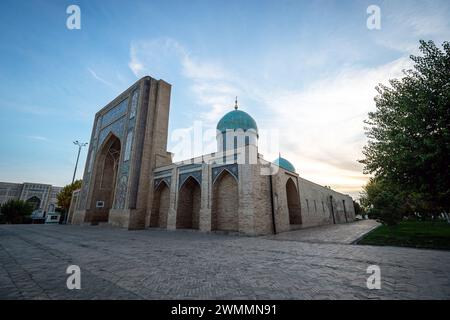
x=156 y=182
x=115 y=113
x=117 y=128
x=163 y=173
x=134 y=103
x=197 y=175
x=121 y=193
x=98 y=124
x=128 y=144
x=190 y=167
x=232 y=168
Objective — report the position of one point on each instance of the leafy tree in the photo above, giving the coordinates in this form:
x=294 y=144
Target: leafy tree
x=65 y=195
x=358 y=209
x=16 y=211
x=382 y=202
x=409 y=134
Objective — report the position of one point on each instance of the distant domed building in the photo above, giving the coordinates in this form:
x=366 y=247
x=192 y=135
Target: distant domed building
x=236 y=129
x=237 y=120
x=131 y=181
x=284 y=164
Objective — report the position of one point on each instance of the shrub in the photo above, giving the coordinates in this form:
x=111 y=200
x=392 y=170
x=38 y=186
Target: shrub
x=16 y=211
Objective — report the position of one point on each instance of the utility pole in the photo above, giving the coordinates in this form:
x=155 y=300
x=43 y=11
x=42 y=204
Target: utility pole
x=80 y=145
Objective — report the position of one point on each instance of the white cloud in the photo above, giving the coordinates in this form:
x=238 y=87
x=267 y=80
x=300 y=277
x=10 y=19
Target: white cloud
x=211 y=85
x=136 y=66
x=39 y=138
x=202 y=71
x=154 y=56
x=406 y=22
x=320 y=126
x=97 y=77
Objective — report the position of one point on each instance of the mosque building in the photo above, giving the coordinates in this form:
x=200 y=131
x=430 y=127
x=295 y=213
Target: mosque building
x=131 y=181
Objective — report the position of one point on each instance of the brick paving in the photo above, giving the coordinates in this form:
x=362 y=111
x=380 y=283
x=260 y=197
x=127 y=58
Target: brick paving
x=157 y=264
x=346 y=233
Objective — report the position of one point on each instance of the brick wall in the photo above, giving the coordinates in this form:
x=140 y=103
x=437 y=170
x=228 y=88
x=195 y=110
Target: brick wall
x=188 y=209
x=225 y=203
x=160 y=207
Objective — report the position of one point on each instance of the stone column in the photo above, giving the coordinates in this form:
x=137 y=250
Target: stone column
x=246 y=202
x=280 y=200
x=206 y=192
x=172 y=214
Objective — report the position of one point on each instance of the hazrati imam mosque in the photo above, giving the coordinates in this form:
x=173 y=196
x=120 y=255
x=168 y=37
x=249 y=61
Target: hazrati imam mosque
x=130 y=180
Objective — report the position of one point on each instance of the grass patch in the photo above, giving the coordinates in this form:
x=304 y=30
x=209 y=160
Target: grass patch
x=417 y=234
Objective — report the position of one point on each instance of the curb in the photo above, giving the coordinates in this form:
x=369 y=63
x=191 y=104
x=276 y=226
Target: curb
x=364 y=234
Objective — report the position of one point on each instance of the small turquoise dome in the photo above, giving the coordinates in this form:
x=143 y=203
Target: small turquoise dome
x=283 y=163
x=236 y=119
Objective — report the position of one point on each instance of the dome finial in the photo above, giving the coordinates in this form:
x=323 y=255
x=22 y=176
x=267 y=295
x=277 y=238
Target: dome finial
x=235 y=104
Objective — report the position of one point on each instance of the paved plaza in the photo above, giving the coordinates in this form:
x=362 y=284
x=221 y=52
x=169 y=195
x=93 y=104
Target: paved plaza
x=156 y=264
x=345 y=233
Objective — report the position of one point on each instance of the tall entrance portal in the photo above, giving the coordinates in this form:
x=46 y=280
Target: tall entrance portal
x=129 y=140
x=105 y=179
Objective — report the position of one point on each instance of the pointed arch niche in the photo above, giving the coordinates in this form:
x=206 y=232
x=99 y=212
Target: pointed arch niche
x=105 y=178
x=160 y=207
x=225 y=205
x=293 y=202
x=189 y=202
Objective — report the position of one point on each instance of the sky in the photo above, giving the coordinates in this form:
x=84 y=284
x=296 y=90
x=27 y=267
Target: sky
x=305 y=70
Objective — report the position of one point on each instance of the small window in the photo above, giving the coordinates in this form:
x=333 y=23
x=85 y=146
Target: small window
x=307 y=205
x=100 y=204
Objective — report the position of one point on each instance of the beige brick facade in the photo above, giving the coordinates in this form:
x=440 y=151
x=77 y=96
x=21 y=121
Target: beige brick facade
x=160 y=206
x=130 y=180
x=225 y=203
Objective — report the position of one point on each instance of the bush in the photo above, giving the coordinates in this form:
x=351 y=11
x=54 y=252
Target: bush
x=358 y=209
x=16 y=211
x=383 y=202
x=386 y=208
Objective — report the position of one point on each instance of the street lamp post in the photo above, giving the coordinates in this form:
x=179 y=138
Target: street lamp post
x=80 y=145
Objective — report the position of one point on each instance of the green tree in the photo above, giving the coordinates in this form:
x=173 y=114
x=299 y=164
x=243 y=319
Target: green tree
x=382 y=202
x=409 y=134
x=358 y=209
x=64 y=197
x=16 y=211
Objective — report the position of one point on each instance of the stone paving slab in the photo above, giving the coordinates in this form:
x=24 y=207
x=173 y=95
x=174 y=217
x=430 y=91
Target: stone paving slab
x=155 y=264
x=346 y=233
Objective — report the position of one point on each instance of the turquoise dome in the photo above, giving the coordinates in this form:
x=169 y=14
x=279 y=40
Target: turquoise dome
x=283 y=163
x=237 y=119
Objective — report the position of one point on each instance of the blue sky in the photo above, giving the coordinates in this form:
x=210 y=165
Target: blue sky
x=306 y=69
